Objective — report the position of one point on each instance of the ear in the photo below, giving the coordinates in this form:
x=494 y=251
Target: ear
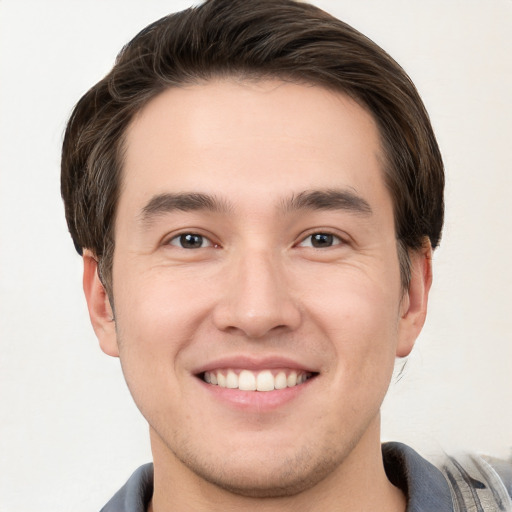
x=100 y=311
x=413 y=309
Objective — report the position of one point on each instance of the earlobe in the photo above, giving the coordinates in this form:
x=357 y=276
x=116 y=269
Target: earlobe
x=100 y=311
x=415 y=301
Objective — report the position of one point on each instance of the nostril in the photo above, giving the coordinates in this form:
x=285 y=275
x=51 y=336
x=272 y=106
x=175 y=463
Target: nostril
x=256 y=325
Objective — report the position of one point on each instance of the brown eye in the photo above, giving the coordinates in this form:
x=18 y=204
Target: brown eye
x=190 y=241
x=320 y=240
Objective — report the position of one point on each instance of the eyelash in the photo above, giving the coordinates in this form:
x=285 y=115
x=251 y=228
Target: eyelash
x=180 y=239
x=330 y=239
x=334 y=239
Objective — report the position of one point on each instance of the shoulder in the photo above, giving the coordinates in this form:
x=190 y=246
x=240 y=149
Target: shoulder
x=481 y=482
x=135 y=494
x=504 y=471
x=422 y=482
x=453 y=483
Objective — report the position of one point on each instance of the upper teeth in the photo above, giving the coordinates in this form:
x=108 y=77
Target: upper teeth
x=247 y=380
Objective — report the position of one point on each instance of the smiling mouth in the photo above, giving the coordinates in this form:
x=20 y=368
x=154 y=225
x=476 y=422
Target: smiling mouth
x=264 y=380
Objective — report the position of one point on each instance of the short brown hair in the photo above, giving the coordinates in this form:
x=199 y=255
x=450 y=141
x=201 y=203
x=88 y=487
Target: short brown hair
x=259 y=39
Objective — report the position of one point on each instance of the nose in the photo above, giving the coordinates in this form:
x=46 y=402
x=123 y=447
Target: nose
x=257 y=299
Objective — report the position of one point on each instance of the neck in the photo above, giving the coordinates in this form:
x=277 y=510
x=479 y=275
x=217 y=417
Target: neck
x=359 y=483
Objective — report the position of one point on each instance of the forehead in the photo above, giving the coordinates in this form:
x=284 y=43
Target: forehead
x=268 y=138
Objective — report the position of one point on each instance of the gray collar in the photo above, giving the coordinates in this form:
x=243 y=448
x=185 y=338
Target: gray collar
x=423 y=484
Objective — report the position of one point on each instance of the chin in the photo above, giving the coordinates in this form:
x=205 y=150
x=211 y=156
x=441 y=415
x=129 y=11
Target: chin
x=266 y=476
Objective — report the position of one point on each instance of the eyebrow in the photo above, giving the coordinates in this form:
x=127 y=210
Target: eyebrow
x=162 y=204
x=329 y=199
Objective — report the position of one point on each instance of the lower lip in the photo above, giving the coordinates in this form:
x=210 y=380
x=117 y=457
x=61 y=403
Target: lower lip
x=260 y=401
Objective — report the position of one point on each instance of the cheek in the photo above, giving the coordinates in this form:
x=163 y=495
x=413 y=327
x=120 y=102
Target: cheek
x=360 y=317
x=156 y=319
x=162 y=302
x=354 y=301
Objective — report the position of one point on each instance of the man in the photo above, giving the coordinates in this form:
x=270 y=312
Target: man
x=256 y=191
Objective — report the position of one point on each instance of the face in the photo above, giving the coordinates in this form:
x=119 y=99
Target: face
x=258 y=306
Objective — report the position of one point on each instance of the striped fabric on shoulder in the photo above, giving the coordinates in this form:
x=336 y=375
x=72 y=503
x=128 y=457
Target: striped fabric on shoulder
x=475 y=485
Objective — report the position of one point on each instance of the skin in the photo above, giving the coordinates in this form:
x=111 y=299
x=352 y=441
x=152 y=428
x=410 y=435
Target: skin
x=257 y=292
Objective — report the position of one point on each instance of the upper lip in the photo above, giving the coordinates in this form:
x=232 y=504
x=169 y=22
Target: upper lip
x=253 y=363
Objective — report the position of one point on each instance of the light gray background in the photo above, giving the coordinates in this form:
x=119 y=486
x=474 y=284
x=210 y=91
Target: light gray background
x=69 y=433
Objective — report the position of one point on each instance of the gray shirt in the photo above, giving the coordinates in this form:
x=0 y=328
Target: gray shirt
x=485 y=485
